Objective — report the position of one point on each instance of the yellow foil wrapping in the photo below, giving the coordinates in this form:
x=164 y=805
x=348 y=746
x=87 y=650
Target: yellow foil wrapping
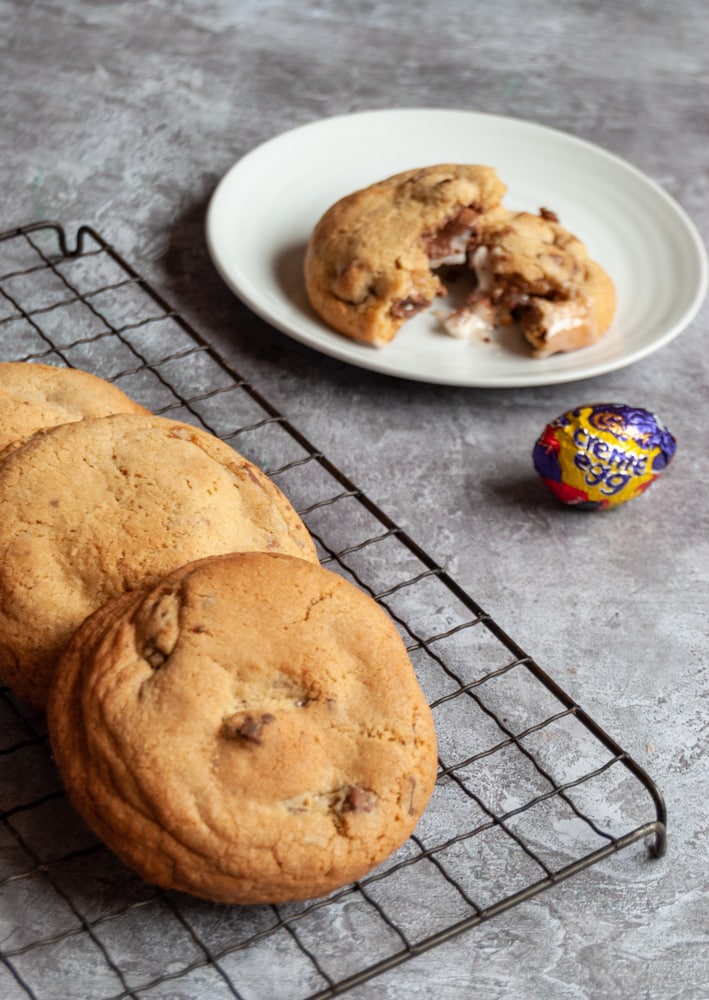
x=603 y=454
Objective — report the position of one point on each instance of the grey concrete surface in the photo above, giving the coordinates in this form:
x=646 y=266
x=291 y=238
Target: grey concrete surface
x=125 y=116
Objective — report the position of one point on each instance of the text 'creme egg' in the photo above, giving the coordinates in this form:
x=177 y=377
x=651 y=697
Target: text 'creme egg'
x=601 y=455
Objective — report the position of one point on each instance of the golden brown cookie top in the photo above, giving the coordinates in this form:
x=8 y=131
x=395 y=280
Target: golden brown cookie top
x=91 y=509
x=35 y=396
x=367 y=265
x=249 y=730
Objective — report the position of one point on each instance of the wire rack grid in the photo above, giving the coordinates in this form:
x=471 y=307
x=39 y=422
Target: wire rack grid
x=530 y=790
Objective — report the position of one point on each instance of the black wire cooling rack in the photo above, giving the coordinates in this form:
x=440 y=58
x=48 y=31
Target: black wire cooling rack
x=530 y=791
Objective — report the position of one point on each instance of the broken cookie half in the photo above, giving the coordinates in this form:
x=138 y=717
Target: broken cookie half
x=385 y=253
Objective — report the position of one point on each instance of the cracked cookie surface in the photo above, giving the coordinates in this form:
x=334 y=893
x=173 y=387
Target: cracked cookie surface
x=282 y=747
x=35 y=396
x=94 y=508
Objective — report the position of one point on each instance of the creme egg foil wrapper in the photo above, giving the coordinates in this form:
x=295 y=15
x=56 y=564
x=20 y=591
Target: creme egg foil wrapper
x=599 y=456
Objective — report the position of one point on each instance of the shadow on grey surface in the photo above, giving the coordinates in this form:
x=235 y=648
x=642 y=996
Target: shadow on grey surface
x=522 y=490
x=196 y=289
x=199 y=293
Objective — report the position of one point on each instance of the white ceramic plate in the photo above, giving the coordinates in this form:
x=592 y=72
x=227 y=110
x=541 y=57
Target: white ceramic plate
x=263 y=210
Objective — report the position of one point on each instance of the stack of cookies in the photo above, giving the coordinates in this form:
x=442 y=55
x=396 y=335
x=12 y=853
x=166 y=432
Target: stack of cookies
x=231 y=718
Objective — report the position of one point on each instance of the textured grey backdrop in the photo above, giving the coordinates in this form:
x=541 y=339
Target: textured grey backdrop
x=125 y=115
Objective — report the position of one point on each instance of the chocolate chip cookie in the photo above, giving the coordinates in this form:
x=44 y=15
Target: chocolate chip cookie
x=248 y=730
x=34 y=396
x=94 y=508
x=370 y=261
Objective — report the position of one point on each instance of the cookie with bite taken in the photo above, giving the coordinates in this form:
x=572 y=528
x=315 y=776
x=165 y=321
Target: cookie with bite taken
x=370 y=262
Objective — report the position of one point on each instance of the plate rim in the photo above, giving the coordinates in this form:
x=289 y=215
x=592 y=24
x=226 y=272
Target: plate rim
x=365 y=357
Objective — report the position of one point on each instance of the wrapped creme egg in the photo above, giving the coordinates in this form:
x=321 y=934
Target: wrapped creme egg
x=601 y=455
